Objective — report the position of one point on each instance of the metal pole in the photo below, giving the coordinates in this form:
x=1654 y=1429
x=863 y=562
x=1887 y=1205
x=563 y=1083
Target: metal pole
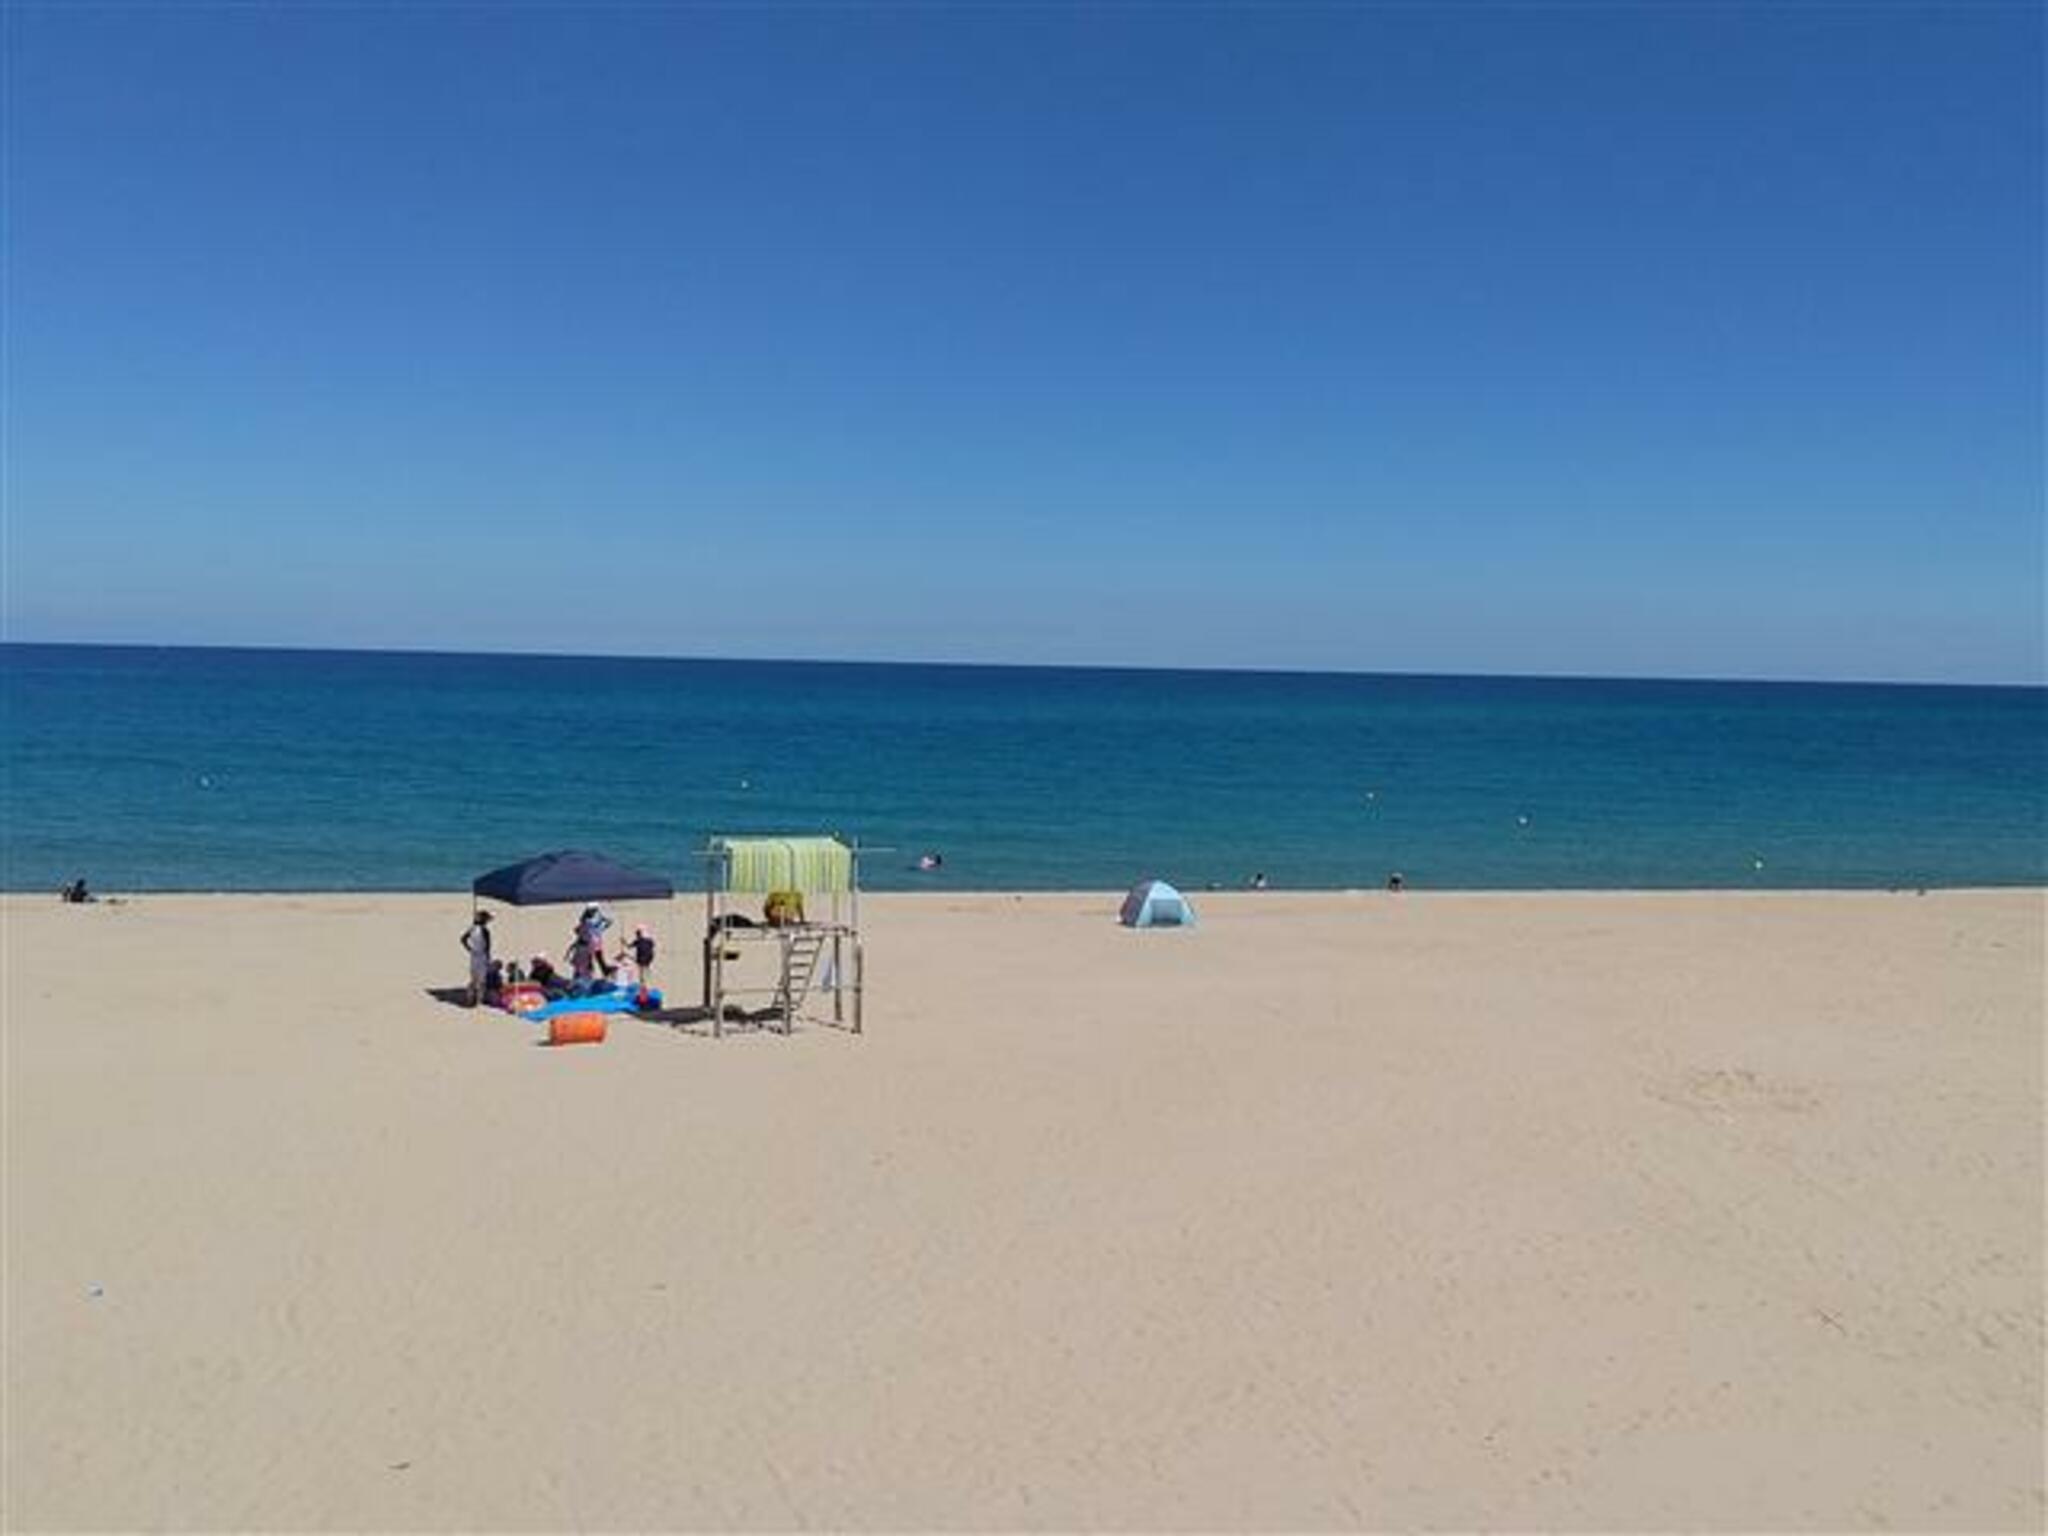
x=714 y=946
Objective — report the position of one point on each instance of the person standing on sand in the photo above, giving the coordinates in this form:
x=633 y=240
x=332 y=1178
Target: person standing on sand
x=642 y=952
x=581 y=960
x=477 y=940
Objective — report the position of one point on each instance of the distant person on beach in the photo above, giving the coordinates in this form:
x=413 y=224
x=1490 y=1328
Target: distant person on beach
x=642 y=952
x=586 y=956
x=75 y=894
x=582 y=962
x=931 y=863
x=1258 y=881
x=494 y=983
x=476 y=938
x=1396 y=882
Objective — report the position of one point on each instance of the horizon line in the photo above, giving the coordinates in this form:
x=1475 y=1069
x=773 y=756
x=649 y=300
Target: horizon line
x=1016 y=666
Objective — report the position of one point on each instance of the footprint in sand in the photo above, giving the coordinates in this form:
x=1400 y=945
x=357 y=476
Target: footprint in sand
x=1737 y=1090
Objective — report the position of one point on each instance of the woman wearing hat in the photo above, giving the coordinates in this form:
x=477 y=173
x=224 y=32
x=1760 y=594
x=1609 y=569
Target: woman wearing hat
x=476 y=938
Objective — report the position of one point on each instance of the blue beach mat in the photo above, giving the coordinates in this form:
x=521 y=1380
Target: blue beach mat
x=598 y=1002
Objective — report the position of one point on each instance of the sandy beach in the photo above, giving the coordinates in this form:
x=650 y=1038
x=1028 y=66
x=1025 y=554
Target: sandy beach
x=1575 y=1210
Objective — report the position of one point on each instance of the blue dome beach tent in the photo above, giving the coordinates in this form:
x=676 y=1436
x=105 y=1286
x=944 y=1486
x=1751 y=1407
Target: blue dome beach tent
x=1155 y=904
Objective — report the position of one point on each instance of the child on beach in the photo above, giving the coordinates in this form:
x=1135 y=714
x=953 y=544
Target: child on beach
x=581 y=959
x=642 y=951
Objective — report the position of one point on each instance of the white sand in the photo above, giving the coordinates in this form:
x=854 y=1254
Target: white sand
x=1571 y=1211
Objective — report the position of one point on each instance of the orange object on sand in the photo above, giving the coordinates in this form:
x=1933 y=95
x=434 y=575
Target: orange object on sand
x=576 y=1029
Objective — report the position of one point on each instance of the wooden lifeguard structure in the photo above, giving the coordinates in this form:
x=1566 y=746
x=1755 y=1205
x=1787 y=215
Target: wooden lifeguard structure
x=819 y=951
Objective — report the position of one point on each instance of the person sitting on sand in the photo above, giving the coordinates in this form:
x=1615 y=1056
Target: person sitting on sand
x=476 y=938
x=541 y=971
x=494 y=984
x=75 y=894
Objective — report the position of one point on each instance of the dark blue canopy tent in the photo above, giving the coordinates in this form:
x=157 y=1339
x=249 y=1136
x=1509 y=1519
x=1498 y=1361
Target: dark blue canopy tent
x=570 y=874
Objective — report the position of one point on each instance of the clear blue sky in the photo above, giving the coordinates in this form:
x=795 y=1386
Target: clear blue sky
x=1608 y=339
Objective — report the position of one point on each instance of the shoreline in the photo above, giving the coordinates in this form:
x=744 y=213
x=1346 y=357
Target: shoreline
x=1193 y=893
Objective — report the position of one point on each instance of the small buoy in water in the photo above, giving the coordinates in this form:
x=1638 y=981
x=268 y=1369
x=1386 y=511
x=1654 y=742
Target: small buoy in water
x=1756 y=863
x=746 y=783
x=1521 y=821
x=1372 y=794
x=205 y=782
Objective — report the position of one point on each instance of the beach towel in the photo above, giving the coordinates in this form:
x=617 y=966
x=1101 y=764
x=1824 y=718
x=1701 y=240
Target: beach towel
x=758 y=865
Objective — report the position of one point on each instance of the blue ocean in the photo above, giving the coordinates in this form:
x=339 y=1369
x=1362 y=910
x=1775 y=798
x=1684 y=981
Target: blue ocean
x=176 y=769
